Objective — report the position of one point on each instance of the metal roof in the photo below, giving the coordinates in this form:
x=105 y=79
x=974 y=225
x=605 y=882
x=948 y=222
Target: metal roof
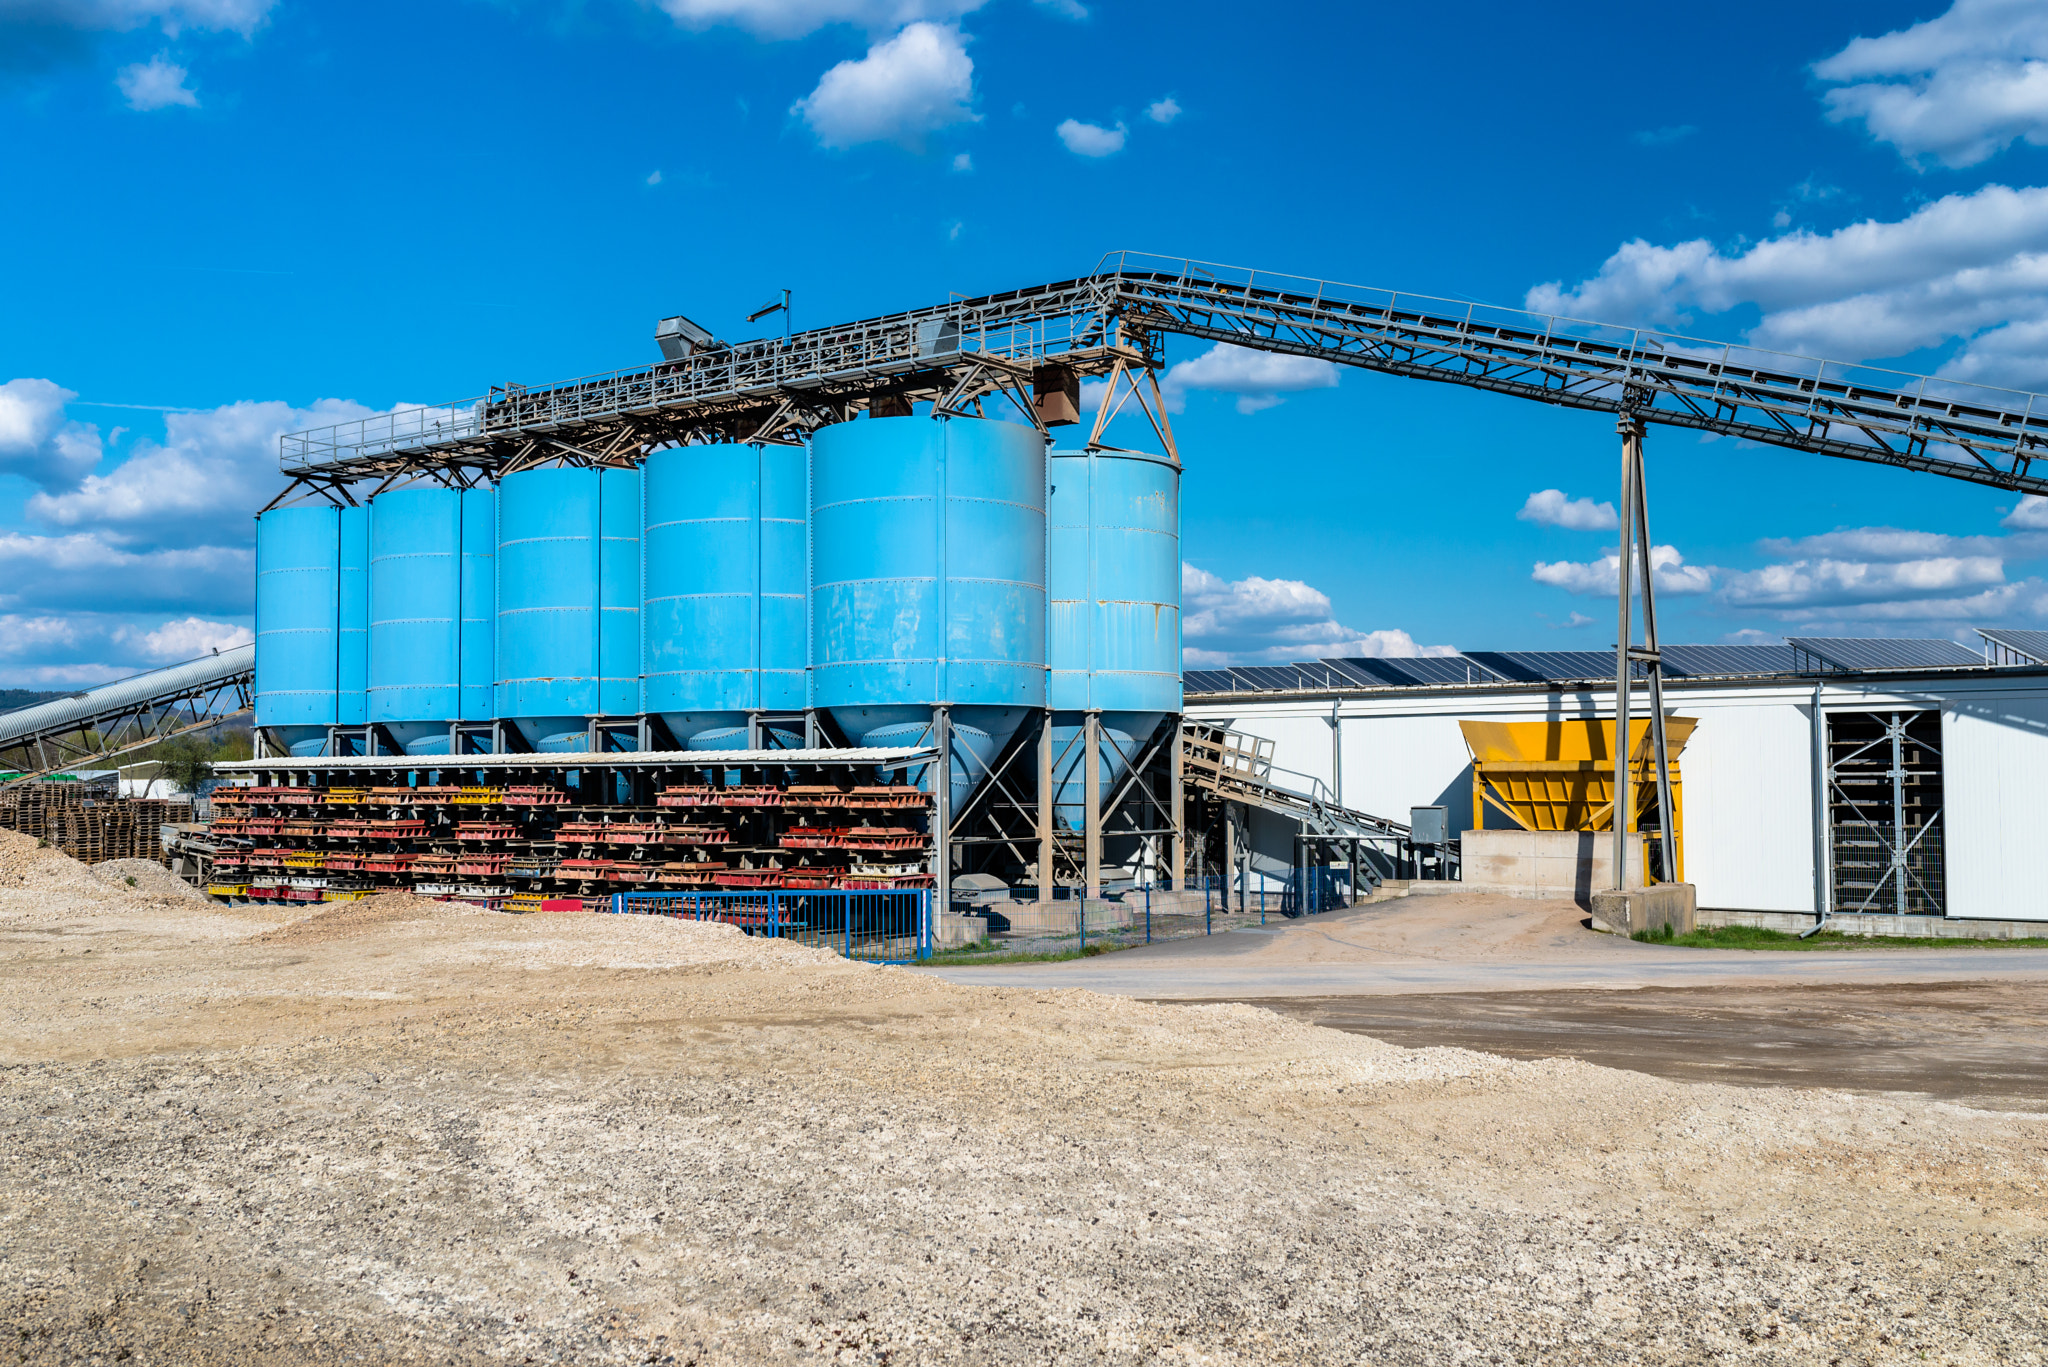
x=173 y=681
x=1799 y=656
x=2018 y=647
x=1860 y=654
x=586 y=759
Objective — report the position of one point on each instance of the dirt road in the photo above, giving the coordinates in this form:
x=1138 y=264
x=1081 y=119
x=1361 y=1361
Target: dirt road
x=1460 y=942
x=405 y=1134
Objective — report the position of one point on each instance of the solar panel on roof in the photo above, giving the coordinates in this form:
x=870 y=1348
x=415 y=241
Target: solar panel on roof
x=2018 y=647
x=1549 y=666
x=1859 y=653
x=1694 y=662
x=1349 y=671
x=1266 y=676
x=1207 y=681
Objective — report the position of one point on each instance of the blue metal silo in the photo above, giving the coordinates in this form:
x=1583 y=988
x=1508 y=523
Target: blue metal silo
x=568 y=638
x=479 y=603
x=351 y=699
x=415 y=616
x=1114 y=616
x=618 y=585
x=724 y=609
x=297 y=632
x=928 y=583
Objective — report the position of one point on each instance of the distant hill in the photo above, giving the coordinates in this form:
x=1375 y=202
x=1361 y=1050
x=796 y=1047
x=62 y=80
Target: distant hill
x=14 y=699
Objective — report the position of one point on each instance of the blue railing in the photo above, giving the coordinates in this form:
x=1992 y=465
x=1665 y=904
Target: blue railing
x=874 y=927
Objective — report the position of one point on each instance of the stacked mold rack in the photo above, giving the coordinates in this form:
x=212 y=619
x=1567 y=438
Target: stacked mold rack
x=567 y=839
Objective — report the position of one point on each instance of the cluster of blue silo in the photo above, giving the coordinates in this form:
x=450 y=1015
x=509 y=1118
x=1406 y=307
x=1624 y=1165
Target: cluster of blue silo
x=902 y=565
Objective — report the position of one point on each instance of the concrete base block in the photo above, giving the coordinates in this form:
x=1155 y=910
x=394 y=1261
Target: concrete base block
x=1061 y=918
x=1546 y=863
x=1629 y=910
x=954 y=931
x=1931 y=927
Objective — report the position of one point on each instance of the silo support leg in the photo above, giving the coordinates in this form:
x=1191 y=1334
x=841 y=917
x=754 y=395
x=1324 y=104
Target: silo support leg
x=1092 y=844
x=1045 y=858
x=1178 y=868
x=942 y=822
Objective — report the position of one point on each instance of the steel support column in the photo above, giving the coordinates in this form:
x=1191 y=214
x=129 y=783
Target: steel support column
x=1178 y=796
x=942 y=821
x=1091 y=876
x=1045 y=854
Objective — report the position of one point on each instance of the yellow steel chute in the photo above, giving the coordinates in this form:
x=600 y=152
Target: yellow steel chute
x=1559 y=775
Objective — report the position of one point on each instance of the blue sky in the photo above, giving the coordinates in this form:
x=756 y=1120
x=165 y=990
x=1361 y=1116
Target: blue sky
x=241 y=216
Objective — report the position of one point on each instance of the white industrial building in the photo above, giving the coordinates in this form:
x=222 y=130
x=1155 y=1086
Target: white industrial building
x=1791 y=770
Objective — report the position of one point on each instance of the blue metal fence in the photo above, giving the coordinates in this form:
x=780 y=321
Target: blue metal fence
x=874 y=927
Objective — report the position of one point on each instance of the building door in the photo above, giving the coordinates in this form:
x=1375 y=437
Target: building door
x=1884 y=812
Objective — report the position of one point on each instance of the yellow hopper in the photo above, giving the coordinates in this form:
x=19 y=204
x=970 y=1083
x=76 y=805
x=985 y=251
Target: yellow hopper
x=1559 y=775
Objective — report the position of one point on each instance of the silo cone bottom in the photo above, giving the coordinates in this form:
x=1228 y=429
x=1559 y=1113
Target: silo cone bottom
x=555 y=735
x=419 y=737
x=305 y=742
x=707 y=730
x=735 y=738
x=979 y=735
x=1124 y=734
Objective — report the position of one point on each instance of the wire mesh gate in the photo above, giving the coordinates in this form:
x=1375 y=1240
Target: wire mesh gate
x=873 y=927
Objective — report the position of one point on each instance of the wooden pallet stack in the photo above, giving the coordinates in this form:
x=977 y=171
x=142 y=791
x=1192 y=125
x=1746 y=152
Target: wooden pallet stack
x=90 y=827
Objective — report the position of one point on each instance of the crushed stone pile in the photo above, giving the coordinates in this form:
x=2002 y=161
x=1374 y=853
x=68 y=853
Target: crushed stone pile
x=405 y=1131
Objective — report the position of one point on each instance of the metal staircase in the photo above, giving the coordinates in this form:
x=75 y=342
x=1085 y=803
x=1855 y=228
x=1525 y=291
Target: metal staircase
x=1239 y=768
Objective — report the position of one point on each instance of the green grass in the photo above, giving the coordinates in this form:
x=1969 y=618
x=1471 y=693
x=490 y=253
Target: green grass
x=985 y=951
x=1752 y=937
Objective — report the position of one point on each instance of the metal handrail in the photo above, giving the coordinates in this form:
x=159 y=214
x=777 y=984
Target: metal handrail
x=1954 y=428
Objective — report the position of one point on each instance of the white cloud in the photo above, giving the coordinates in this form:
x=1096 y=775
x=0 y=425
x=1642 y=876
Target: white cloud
x=86 y=571
x=37 y=440
x=186 y=639
x=1065 y=9
x=1163 y=111
x=1091 y=140
x=1550 y=508
x=795 y=18
x=654 y=177
x=910 y=86
x=156 y=84
x=82 y=648
x=1273 y=621
x=1603 y=576
x=1957 y=88
x=1808 y=583
x=1258 y=378
x=200 y=486
x=173 y=16
x=2030 y=514
x=1969 y=266
x=962 y=162
x=1882 y=543
x=2025 y=601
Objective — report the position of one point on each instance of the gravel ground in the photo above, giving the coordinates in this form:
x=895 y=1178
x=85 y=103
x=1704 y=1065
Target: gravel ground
x=404 y=1133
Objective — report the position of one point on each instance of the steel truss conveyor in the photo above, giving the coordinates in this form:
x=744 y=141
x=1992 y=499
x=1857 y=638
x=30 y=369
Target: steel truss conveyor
x=1031 y=343
x=129 y=714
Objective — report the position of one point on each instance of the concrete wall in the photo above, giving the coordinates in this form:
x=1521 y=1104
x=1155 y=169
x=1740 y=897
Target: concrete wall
x=1574 y=864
